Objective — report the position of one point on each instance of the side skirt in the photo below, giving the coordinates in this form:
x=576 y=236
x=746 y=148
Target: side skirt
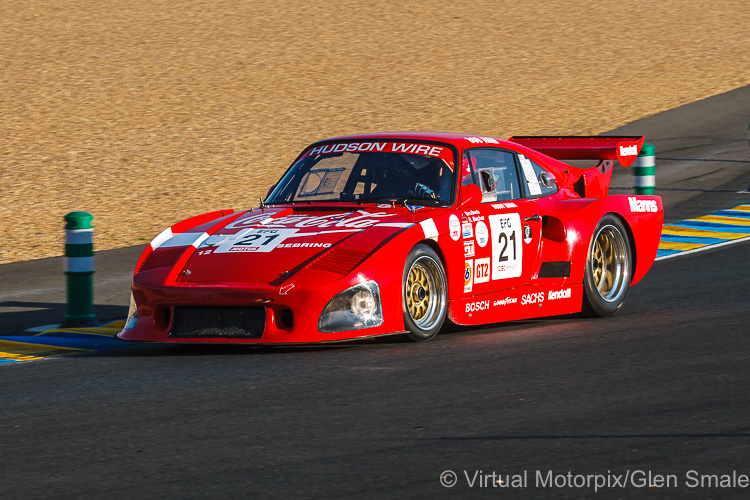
x=517 y=303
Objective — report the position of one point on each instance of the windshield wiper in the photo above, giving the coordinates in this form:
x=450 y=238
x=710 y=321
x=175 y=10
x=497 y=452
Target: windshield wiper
x=432 y=201
x=376 y=199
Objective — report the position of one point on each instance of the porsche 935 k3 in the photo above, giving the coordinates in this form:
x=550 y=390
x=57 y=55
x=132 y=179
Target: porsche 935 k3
x=378 y=234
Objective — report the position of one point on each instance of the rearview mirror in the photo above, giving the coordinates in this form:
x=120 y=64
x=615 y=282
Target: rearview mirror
x=547 y=180
x=488 y=179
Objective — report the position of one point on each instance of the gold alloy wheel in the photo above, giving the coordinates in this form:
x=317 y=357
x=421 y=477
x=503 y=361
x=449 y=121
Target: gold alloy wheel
x=418 y=298
x=425 y=293
x=609 y=264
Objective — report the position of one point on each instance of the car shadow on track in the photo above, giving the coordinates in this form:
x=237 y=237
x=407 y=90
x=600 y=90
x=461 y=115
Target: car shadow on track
x=450 y=331
x=16 y=315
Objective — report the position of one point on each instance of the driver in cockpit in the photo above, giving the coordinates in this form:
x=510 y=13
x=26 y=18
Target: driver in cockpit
x=430 y=181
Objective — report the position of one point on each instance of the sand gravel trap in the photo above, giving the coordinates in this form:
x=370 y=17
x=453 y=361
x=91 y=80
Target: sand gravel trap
x=146 y=112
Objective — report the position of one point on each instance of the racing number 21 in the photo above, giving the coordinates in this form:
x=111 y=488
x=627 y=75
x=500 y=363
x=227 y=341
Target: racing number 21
x=507 y=253
x=255 y=240
x=252 y=239
x=503 y=240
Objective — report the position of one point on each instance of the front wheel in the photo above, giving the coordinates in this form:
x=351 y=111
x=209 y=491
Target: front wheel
x=608 y=268
x=424 y=293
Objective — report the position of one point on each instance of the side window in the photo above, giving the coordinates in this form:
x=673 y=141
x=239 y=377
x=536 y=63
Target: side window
x=467 y=170
x=494 y=171
x=539 y=182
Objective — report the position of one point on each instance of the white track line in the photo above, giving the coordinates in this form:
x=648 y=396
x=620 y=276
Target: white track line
x=707 y=247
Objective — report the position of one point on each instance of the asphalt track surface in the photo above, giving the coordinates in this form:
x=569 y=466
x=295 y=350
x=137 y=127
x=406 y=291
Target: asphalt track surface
x=659 y=389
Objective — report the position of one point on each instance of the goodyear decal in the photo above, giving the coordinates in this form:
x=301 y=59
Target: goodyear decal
x=59 y=342
x=694 y=234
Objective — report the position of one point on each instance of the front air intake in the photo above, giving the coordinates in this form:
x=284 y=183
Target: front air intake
x=219 y=322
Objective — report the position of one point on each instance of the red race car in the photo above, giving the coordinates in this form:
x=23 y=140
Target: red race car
x=391 y=233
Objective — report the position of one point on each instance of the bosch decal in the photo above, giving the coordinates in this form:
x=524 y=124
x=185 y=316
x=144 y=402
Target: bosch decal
x=481 y=305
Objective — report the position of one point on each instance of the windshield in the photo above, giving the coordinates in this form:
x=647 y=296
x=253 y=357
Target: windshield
x=370 y=172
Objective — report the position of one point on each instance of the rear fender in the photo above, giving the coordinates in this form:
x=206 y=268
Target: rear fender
x=568 y=226
x=643 y=217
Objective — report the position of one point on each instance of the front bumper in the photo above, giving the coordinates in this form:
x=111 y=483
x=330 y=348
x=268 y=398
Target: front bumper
x=247 y=314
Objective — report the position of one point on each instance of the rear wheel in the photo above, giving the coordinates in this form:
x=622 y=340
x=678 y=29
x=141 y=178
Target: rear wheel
x=424 y=293
x=608 y=268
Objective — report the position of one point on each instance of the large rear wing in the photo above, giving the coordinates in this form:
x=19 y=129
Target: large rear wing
x=624 y=149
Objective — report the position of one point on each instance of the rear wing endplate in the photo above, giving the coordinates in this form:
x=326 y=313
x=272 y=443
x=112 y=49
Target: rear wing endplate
x=624 y=149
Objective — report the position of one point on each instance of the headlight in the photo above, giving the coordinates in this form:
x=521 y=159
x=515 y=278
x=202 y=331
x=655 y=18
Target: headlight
x=364 y=305
x=353 y=309
x=132 y=314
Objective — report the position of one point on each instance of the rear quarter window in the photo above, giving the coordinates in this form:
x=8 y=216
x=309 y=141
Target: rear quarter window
x=531 y=173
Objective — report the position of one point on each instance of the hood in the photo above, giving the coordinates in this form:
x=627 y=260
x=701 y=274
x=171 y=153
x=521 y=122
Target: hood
x=267 y=246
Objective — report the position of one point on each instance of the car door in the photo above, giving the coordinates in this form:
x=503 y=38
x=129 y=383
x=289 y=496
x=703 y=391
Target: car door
x=501 y=234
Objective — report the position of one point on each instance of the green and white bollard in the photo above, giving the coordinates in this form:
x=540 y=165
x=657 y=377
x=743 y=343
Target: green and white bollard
x=644 y=170
x=79 y=269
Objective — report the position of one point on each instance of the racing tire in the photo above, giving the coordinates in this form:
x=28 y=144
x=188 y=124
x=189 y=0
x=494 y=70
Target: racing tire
x=608 y=272
x=424 y=293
